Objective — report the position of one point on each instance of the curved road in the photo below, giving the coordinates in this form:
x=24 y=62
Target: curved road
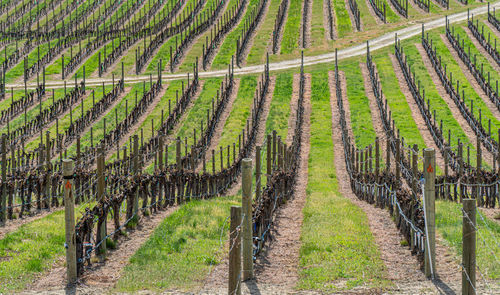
x=376 y=43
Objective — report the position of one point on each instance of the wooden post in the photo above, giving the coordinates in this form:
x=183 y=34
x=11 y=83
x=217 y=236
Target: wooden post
x=430 y=212
x=246 y=201
x=377 y=157
x=100 y=194
x=268 y=160
x=69 y=220
x=398 y=160
x=478 y=153
x=469 y=247
x=234 y=286
x=258 y=169
x=136 y=171
x=388 y=155
x=178 y=153
x=3 y=212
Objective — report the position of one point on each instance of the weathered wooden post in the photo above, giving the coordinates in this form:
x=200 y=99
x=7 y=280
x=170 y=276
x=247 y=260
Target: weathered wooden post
x=430 y=212
x=3 y=212
x=100 y=195
x=268 y=160
x=136 y=171
x=234 y=286
x=258 y=169
x=469 y=247
x=247 y=219
x=377 y=158
x=69 y=218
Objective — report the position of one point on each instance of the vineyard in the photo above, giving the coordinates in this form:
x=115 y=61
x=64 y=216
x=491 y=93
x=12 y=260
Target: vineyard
x=250 y=146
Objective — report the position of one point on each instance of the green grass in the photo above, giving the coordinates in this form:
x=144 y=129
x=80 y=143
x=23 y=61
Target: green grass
x=317 y=28
x=291 y=31
x=359 y=105
x=184 y=246
x=30 y=250
x=343 y=25
x=240 y=113
x=449 y=226
x=280 y=105
x=401 y=112
x=336 y=242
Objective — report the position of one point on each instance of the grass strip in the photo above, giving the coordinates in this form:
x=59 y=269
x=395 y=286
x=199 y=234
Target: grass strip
x=343 y=24
x=186 y=245
x=291 y=34
x=337 y=244
x=280 y=106
x=449 y=226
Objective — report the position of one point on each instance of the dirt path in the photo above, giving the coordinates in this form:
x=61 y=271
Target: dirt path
x=326 y=25
x=293 y=108
x=375 y=113
x=451 y=104
x=280 y=33
x=493 y=214
x=415 y=112
x=279 y=262
x=481 y=50
x=105 y=275
x=307 y=24
x=479 y=91
x=219 y=127
x=217 y=278
x=403 y=269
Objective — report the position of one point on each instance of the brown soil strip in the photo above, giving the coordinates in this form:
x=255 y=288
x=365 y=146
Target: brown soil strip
x=451 y=104
x=293 y=108
x=374 y=111
x=137 y=125
x=217 y=278
x=351 y=16
x=415 y=112
x=250 y=41
x=105 y=275
x=279 y=262
x=326 y=25
x=219 y=127
x=280 y=33
x=417 y=8
x=481 y=50
x=307 y=25
x=492 y=28
x=402 y=268
x=372 y=12
x=471 y=79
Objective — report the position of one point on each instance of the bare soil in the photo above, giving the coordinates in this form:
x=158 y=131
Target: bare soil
x=325 y=22
x=492 y=214
x=492 y=28
x=375 y=113
x=451 y=104
x=279 y=262
x=415 y=112
x=306 y=24
x=351 y=16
